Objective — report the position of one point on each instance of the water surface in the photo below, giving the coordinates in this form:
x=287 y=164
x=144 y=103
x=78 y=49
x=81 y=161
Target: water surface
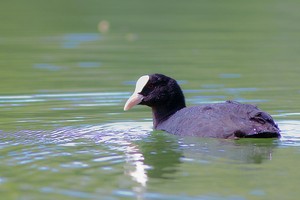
x=66 y=69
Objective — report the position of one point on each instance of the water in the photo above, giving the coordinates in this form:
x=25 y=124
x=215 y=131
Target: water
x=67 y=68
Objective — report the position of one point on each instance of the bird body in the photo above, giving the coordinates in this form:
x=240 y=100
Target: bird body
x=221 y=120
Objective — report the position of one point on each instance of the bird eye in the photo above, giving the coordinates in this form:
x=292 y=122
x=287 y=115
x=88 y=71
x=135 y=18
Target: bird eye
x=150 y=86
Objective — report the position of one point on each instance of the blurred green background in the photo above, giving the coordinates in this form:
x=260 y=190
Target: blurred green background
x=59 y=45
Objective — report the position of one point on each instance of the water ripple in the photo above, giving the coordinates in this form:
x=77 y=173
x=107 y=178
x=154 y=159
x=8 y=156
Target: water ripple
x=290 y=132
x=114 y=133
x=99 y=99
x=73 y=40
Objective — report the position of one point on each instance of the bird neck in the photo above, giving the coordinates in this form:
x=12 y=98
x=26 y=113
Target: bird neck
x=163 y=112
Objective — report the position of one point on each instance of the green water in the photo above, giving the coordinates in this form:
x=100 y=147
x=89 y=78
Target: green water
x=67 y=67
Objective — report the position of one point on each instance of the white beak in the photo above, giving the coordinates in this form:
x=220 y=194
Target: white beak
x=133 y=100
x=137 y=98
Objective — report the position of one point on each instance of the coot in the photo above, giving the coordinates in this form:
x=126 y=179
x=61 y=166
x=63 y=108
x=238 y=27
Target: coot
x=221 y=120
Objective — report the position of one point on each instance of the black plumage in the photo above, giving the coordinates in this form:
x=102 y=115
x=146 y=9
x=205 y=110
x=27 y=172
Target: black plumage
x=221 y=120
